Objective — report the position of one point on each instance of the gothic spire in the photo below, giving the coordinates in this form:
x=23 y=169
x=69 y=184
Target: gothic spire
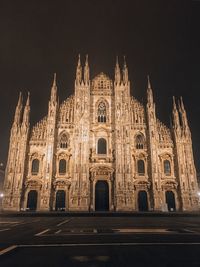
x=174 y=104
x=79 y=70
x=86 y=71
x=18 y=110
x=117 y=72
x=125 y=72
x=182 y=105
x=26 y=111
x=176 y=121
x=20 y=99
x=54 y=80
x=149 y=92
x=54 y=90
x=183 y=115
x=148 y=82
x=28 y=100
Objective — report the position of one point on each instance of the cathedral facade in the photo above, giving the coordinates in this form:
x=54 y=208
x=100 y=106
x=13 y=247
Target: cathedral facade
x=100 y=149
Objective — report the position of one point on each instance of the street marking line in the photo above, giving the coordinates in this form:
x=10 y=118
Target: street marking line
x=111 y=244
x=110 y=234
x=143 y=230
x=2 y=230
x=4 y=251
x=92 y=233
x=66 y=221
x=57 y=232
x=40 y=233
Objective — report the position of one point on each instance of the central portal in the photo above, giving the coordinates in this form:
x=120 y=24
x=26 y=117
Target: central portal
x=60 y=200
x=101 y=196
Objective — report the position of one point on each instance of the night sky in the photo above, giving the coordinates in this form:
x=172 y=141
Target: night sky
x=160 y=38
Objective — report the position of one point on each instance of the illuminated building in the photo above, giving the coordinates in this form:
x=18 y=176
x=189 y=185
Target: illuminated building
x=100 y=149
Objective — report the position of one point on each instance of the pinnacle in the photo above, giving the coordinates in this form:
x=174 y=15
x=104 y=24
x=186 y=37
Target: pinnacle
x=124 y=61
x=54 y=79
x=28 y=99
x=148 y=82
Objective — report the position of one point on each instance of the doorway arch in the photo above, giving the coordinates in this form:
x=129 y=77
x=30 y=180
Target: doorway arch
x=101 y=196
x=142 y=201
x=32 y=200
x=170 y=200
x=60 y=200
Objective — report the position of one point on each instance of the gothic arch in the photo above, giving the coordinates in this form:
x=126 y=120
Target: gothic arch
x=35 y=166
x=170 y=198
x=62 y=164
x=63 y=140
x=102 y=111
x=142 y=200
x=60 y=201
x=35 y=163
x=139 y=141
x=167 y=164
x=32 y=200
x=167 y=167
x=140 y=163
x=141 y=167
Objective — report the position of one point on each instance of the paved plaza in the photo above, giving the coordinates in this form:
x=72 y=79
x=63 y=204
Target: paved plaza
x=99 y=240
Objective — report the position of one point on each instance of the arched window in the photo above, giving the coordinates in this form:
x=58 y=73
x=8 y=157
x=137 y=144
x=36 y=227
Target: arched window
x=35 y=167
x=101 y=113
x=167 y=167
x=62 y=166
x=63 y=141
x=141 y=167
x=102 y=146
x=139 y=141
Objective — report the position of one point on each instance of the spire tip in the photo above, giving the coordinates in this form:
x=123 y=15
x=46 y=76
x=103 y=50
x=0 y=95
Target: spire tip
x=117 y=61
x=148 y=81
x=54 y=79
x=86 y=59
x=124 y=61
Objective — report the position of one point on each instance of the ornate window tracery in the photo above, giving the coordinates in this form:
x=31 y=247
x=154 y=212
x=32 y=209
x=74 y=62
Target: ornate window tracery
x=101 y=112
x=139 y=141
x=64 y=141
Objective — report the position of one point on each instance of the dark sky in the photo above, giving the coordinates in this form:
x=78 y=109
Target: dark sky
x=40 y=37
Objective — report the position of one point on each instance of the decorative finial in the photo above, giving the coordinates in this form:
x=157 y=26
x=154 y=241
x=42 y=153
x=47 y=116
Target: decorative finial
x=174 y=101
x=148 y=82
x=86 y=71
x=117 y=61
x=124 y=61
x=28 y=99
x=20 y=99
x=79 y=60
x=86 y=60
x=54 y=79
x=181 y=101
